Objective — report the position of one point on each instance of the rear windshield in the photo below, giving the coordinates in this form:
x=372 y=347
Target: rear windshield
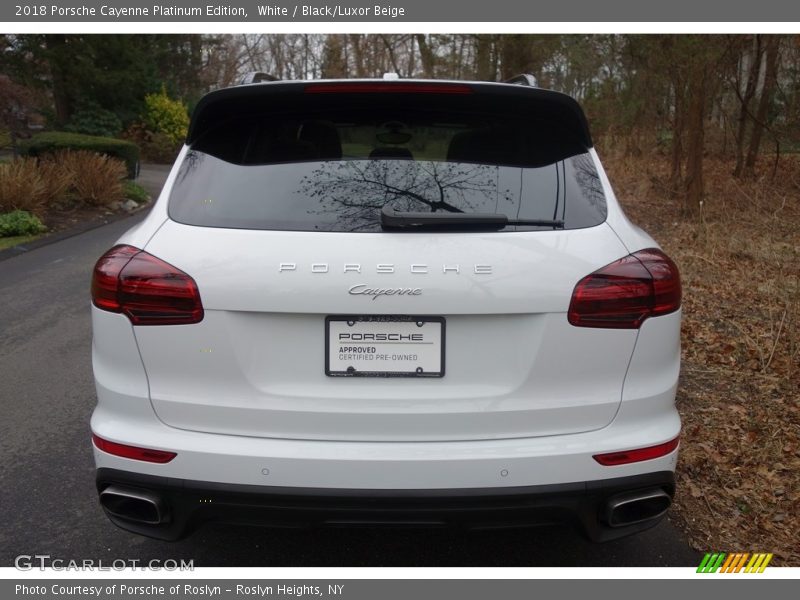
x=334 y=169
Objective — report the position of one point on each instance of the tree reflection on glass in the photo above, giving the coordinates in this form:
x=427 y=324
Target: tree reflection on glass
x=191 y=162
x=588 y=181
x=353 y=192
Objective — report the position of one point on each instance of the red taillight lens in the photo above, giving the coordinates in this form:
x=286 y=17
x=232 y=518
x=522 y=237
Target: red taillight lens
x=378 y=87
x=105 y=280
x=146 y=289
x=134 y=452
x=666 y=281
x=630 y=456
x=623 y=294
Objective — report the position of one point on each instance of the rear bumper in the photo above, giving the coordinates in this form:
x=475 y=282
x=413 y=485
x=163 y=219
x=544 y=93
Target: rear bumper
x=184 y=505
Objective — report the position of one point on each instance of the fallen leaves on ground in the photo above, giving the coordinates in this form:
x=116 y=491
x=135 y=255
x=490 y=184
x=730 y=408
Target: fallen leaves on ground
x=739 y=396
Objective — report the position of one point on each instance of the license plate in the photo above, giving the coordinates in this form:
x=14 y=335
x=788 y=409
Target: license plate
x=384 y=346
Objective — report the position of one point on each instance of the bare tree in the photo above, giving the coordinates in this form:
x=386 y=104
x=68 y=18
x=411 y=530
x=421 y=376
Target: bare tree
x=747 y=76
x=772 y=59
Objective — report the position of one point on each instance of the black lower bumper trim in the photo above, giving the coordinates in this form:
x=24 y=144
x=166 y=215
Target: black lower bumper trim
x=191 y=503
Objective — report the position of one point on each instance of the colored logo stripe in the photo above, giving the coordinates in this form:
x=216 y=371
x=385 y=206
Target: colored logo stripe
x=742 y=559
x=703 y=563
x=732 y=558
x=711 y=562
x=734 y=562
x=758 y=563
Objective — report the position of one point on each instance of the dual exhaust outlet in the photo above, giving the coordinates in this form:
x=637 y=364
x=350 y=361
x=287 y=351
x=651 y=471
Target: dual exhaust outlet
x=636 y=507
x=139 y=506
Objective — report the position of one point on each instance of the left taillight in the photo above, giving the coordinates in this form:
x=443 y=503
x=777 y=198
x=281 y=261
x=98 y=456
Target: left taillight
x=144 y=288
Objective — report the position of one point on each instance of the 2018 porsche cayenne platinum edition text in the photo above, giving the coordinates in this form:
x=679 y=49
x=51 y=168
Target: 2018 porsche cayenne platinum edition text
x=386 y=302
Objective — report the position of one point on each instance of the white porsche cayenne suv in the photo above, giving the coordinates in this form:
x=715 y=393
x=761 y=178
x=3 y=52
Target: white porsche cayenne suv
x=386 y=302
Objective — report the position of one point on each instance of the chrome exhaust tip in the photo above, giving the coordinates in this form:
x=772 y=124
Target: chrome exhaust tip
x=134 y=505
x=637 y=507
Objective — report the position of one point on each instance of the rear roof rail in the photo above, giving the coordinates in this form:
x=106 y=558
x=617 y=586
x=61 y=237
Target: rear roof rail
x=257 y=77
x=523 y=79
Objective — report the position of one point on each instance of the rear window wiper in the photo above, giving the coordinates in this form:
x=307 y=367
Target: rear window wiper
x=393 y=220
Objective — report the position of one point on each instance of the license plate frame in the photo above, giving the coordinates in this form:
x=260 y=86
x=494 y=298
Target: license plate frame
x=397 y=324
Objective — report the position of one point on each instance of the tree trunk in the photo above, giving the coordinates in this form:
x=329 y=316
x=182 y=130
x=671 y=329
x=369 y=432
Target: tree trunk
x=14 y=145
x=333 y=62
x=460 y=60
x=695 y=121
x=411 y=66
x=676 y=172
x=745 y=100
x=358 y=54
x=426 y=56
x=483 y=58
x=764 y=102
x=57 y=51
x=390 y=52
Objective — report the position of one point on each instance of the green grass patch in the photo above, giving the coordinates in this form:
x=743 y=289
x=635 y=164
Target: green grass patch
x=133 y=191
x=20 y=222
x=10 y=242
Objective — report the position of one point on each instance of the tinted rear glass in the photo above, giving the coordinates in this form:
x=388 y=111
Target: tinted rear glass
x=334 y=168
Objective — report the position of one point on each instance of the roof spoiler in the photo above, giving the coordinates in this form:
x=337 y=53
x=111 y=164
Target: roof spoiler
x=520 y=92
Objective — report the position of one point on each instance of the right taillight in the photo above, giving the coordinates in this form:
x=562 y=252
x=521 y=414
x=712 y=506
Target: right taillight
x=626 y=292
x=146 y=289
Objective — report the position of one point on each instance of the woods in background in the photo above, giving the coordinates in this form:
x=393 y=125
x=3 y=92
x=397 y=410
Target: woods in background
x=736 y=96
